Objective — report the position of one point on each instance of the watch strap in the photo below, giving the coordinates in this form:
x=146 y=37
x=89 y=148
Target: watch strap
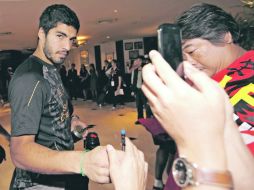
x=214 y=177
x=187 y=174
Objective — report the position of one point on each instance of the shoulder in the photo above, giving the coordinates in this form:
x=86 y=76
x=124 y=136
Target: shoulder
x=26 y=76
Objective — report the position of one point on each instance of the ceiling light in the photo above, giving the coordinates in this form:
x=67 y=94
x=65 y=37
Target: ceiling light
x=115 y=11
x=106 y=20
x=108 y=37
x=249 y=3
x=5 y=33
x=81 y=40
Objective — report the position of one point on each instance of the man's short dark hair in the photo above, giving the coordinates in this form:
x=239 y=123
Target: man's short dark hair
x=208 y=22
x=58 y=13
x=140 y=57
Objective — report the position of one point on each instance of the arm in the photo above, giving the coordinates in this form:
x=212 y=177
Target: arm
x=119 y=82
x=28 y=155
x=182 y=109
x=31 y=156
x=240 y=160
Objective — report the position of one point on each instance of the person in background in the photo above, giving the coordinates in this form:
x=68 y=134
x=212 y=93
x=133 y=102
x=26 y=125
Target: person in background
x=42 y=147
x=84 y=81
x=72 y=80
x=214 y=139
x=136 y=82
x=116 y=88
x=63 y=74
x=103 y=86
x=9 y=75
x=93 y=81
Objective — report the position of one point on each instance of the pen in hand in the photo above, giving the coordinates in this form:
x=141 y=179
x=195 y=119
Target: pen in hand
x=123 y=134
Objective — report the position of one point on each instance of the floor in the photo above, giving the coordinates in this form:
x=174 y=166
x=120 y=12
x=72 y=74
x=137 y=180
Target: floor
x=108 y=125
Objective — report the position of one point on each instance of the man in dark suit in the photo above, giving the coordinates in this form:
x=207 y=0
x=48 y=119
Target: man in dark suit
x=72 y=78
x=136 y=82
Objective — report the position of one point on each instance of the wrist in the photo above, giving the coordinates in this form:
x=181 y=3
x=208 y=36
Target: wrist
x=206 y=154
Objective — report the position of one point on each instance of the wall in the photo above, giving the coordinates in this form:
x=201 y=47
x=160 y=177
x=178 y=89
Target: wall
x=127 y=61
x=74 y=57
x=107 y=49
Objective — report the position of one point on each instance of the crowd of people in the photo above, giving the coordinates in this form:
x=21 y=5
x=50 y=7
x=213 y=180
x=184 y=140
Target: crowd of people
x=105 y=85
x=197 y=113
x=5 y=77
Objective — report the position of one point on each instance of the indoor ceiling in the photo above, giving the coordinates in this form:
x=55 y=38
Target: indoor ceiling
x=101 y=20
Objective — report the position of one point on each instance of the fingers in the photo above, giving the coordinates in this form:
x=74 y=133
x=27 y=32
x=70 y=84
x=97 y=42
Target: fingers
x=131 y=150
x=111 y=155
x=103 y=175
x=199 y=78
x=164 y=71
x=129 y=146
x=152 y=81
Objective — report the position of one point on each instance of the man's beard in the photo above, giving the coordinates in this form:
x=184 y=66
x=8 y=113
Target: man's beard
x=49 y=56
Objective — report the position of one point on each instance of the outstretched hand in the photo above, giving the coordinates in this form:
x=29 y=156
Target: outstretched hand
x=128 y=170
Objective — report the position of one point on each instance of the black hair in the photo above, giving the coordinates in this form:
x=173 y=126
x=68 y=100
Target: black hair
x=58 y=13
x=208 y=22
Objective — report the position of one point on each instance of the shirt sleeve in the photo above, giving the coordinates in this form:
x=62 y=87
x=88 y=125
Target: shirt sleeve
x=26 y=99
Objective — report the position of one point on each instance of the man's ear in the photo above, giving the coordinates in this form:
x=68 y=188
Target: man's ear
x=228 y=38
x=41 y=34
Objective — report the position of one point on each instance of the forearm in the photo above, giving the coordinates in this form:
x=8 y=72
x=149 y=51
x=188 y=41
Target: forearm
x=119 y=82
x=240 y=161
x=40 y=159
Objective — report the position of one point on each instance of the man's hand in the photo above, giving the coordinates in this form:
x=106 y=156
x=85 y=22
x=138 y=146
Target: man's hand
x=76 y=122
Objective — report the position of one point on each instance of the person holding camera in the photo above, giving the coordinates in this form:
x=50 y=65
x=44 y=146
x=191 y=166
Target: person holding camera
x=136 y=82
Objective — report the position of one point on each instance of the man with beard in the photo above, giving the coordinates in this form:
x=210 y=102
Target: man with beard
x=41 y=138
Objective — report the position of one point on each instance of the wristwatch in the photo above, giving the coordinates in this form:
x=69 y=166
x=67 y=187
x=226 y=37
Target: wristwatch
x=189 y=174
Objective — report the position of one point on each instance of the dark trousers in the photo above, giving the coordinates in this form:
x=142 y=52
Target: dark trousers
x=73 y=90
x=115 y=99
x=141 y=103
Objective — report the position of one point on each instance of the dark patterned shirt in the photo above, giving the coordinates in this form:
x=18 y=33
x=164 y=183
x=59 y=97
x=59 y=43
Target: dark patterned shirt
x=39 y=106
x=238 y=81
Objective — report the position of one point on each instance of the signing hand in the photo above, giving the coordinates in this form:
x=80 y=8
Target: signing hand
x=129 y=169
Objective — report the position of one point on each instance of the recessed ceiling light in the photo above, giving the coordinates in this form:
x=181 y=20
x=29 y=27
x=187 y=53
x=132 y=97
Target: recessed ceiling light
x=106 y=20
x=5 y=33
x=108 y=37
x=115 y=11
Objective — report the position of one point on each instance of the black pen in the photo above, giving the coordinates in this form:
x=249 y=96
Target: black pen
x=123 y=133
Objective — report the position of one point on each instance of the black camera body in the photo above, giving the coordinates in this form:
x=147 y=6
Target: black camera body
x=92 y=141
x=170 y=44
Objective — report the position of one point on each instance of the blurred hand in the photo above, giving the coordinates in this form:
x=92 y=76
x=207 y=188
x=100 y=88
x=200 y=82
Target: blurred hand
x=96 y=165
x=129 y=169
x=76 y=122
x=183 y=109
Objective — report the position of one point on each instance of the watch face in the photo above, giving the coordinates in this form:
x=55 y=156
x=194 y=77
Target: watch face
x=180 y=172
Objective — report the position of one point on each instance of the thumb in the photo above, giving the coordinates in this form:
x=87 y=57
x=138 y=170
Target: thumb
x=111 y=155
